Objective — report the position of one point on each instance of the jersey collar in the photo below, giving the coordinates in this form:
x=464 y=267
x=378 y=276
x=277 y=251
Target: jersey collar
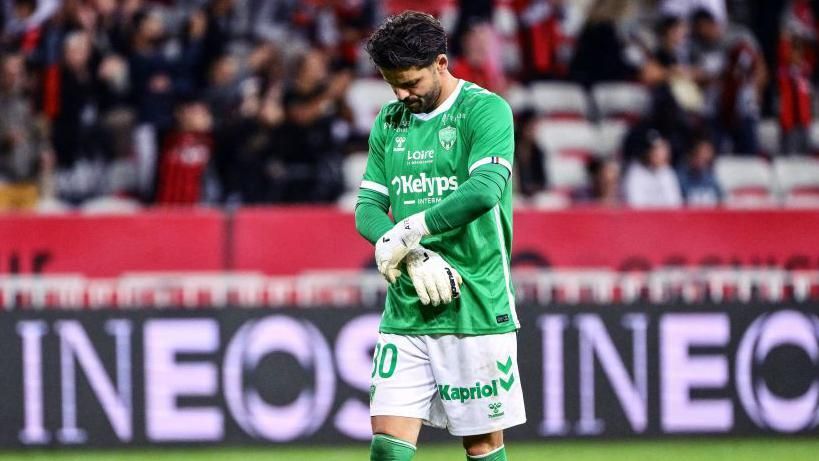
x=450 y=100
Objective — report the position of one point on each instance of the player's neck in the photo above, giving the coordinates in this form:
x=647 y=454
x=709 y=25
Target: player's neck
x=448 y=85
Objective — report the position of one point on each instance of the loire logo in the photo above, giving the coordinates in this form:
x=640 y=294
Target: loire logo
x=423 y=184
x=447 y=137
x=420 y=157
x=399 y=144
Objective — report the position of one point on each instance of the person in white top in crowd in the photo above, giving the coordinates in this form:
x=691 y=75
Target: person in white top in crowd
x=650 y=182
x=684 y=8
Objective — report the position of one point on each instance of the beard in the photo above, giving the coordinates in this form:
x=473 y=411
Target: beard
x=424 y=103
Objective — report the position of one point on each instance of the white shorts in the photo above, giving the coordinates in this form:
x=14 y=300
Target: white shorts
x=467 y=384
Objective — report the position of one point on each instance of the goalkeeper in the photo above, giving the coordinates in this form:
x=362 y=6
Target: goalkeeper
x=440 y=156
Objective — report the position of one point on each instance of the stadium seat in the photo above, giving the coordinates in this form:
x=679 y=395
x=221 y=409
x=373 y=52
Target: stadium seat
x=365 y=98
x=768 y=134
x=567 y=138
x=813 y=137
x=550 y=200
x=610 y=136
x=797 y=181
x=109 y=205
x=559 y=100
x=622 y=100
x=747 y=181
x=353 y=170
x=518 y=98
x=566 y=174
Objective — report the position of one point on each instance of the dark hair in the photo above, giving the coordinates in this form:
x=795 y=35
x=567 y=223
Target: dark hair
x=702 y=14
x=646 y=139
x=409 y=39
x=666 y=23
x=698 y=137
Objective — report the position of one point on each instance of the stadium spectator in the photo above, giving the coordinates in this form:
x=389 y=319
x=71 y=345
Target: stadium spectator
x=529 y=158
x=24 y=20
x=673 y=56
x=479 y=62
x=470 y=14
x=603 y=51
x=672 y=51
x=796 y=66
x=698 y=182
x=186 y=156
x=604 y=188
x=75 y=130
x=734 y=75
x=666 y=116
x=316 y=126
x=23 y=141
x=650 y=181
x=685 y=8
x=106 y=76
x=246 y=148
x=544 y=42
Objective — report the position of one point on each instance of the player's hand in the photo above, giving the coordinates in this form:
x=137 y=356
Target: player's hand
x=434 y=279
x=393 y=246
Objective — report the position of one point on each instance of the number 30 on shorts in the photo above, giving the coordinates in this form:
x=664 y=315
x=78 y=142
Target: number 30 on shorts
x=384 y=360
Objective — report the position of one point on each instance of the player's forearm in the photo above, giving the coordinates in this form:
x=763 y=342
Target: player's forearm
x=473 y=198
x=371 y=219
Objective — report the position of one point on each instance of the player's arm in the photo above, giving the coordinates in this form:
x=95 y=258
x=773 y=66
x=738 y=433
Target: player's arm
x=371 y=218
x=373 y=205
x=477 y=195
x=489 y=132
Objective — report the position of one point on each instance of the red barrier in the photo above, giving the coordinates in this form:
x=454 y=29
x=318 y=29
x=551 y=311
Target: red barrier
x=292 y=240
x=284 y=241
x=103 y=246
x=637 y=239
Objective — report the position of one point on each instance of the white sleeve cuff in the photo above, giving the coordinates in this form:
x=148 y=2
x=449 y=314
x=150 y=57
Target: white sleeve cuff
x=493 y=160
x=374 y=186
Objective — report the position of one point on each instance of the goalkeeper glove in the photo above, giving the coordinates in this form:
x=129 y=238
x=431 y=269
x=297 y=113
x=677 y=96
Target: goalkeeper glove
x=434 y=279
x=397 y=242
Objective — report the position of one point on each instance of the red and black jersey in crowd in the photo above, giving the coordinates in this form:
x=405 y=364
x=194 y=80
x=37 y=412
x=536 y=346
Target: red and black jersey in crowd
x=742 y=63
x=182 y=166
x=541 y=39
x=794 y=86
x=794 y=99
x=485 y=76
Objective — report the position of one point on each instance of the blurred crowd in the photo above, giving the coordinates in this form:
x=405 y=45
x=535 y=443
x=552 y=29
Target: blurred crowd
x=121 y=104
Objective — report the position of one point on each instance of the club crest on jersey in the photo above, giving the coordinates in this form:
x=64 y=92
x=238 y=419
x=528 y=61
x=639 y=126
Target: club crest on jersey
x=447 y=137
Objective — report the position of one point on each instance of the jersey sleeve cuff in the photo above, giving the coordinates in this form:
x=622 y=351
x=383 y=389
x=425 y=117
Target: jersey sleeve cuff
x=491 y=160
x=374 y=186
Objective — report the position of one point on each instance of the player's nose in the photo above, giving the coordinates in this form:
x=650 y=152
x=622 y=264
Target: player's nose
x=401 y=94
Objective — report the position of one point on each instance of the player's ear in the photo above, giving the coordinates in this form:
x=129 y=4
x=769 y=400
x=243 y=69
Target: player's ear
x=441 y=62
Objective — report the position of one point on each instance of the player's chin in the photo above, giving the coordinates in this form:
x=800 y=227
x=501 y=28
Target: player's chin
x=415 y=107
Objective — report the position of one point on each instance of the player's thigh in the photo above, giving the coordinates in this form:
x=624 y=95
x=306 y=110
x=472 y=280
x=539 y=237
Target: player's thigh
x=400 y=427
x=403 y=385
x=478 y=382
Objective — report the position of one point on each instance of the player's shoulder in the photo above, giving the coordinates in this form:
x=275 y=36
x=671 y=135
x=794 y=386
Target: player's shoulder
x=478 y=98
x=483 y=105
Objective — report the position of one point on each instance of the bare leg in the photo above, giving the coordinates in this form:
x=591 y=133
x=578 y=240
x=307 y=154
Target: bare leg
x=478 y=445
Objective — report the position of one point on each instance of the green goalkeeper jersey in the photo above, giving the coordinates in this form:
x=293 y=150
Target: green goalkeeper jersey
x=417 y=160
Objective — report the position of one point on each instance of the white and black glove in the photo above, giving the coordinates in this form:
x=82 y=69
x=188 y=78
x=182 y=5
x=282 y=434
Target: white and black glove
x=393 y=246
x=434 y=279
